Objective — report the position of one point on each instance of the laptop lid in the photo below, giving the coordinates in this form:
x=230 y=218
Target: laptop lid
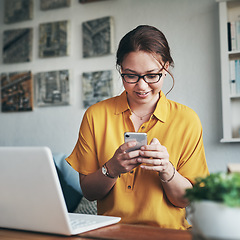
x=31 y=195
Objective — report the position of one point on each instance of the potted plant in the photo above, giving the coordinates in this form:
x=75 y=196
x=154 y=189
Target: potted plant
x=214 y=209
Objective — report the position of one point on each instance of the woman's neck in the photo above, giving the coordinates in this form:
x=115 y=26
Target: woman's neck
x=141 y=113
x=142 y=109
x=139 y=118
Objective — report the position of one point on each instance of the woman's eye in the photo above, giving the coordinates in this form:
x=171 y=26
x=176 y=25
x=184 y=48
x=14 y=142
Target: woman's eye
x=131 y=76
x=151 y=76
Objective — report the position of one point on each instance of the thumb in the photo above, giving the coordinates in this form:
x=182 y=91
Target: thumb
x=154 y=141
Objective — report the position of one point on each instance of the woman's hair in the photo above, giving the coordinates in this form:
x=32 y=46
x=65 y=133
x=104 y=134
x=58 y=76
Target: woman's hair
x=148 y=39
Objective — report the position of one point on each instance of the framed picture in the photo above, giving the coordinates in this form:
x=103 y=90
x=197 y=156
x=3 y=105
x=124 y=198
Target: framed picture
x=54 y=39
x=96 y=86
x=52 y=88
x=17 y=45
x=53 y=4
x=18 y=10
x=16 y=92
x=88 y=1
x=97 y=37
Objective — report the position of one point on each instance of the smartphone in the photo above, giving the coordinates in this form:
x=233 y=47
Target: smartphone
x=140 y=138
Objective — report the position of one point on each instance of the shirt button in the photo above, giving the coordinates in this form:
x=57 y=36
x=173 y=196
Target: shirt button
x=129 y=187
x=143 y=127
x=131 y=171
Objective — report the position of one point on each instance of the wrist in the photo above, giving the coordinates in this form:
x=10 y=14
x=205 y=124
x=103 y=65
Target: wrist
x=105 y=171
x=171 y=177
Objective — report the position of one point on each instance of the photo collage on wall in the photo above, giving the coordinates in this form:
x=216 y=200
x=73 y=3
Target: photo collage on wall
x=51 y=88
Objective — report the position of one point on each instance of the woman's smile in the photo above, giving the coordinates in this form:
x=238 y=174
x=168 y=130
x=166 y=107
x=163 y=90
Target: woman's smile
x=142 y=94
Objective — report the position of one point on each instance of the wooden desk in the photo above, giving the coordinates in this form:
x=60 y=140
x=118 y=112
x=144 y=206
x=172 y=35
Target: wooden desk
x=116 y=232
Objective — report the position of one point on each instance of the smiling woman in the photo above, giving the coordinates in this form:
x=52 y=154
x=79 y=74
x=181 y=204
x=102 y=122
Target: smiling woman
x=147 y=185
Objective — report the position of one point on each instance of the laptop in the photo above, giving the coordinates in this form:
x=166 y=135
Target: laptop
x=31 y=197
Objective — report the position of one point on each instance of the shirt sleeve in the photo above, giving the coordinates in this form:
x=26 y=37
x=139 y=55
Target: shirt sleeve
x=83 y=158
x=192 y=163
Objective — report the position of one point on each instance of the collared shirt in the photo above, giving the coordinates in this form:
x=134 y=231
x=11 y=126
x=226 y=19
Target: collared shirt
x=138 y=196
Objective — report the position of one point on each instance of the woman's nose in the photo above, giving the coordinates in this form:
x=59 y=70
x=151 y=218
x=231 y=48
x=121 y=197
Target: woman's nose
x=142 y=84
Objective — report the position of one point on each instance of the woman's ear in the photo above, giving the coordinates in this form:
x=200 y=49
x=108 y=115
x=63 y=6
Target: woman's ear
x=166 y=66
x=121 y=69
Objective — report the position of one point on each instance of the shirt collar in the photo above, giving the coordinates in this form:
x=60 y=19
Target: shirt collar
x=121 y=103
x=161 y=111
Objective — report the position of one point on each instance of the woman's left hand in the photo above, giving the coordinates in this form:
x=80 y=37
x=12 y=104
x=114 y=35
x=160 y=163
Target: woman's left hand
x=155 y=156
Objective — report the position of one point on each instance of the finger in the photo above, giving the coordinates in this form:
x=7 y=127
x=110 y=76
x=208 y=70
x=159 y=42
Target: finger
x=153 y=162
x=130 y=164
x=130 y=155
x=153 y=147
x=124 y=147
x=153 y=168
x=153 y=144
x=163 y=165
x=154 y=154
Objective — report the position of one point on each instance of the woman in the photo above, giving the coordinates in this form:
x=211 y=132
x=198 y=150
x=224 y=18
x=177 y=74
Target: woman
x=145 y=186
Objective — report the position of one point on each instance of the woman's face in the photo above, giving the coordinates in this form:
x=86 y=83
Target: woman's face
x=142 y=63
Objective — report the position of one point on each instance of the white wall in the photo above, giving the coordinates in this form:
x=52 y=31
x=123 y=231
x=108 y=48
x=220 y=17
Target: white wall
x=191 y=26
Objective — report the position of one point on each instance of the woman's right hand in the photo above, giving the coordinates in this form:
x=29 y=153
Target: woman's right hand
x=123 y=161
x=96 y=186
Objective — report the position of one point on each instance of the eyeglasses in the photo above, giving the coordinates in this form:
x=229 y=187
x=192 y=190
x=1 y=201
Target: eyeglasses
x=148 y=78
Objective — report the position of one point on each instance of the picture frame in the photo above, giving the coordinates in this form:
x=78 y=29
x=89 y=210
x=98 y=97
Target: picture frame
x=97 y=37
x=49 y=5
x=16 y=91
x=89 y=1
x=54 y=39
x=17 y=11
x=96 y=86
x=52 y=88
x=17 y=45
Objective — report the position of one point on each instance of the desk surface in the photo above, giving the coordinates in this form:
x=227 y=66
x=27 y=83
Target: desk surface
x=117 y=232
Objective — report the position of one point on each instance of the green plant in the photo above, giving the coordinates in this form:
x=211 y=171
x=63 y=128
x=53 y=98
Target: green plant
x=219 y=187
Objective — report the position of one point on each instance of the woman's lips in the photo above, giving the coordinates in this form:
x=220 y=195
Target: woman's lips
x=142 y=94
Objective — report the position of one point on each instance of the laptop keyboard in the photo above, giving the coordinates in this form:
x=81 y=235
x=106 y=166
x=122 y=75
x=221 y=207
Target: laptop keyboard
x=79 y=223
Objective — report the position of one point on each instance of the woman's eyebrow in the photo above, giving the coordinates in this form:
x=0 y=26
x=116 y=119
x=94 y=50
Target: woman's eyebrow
x=129 y=70
x=134 y=72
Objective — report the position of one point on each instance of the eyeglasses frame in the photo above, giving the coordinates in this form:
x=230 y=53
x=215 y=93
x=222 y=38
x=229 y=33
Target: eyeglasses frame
x=142 y=76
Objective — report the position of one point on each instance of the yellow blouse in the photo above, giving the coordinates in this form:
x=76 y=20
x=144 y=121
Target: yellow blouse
x=138 y=196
